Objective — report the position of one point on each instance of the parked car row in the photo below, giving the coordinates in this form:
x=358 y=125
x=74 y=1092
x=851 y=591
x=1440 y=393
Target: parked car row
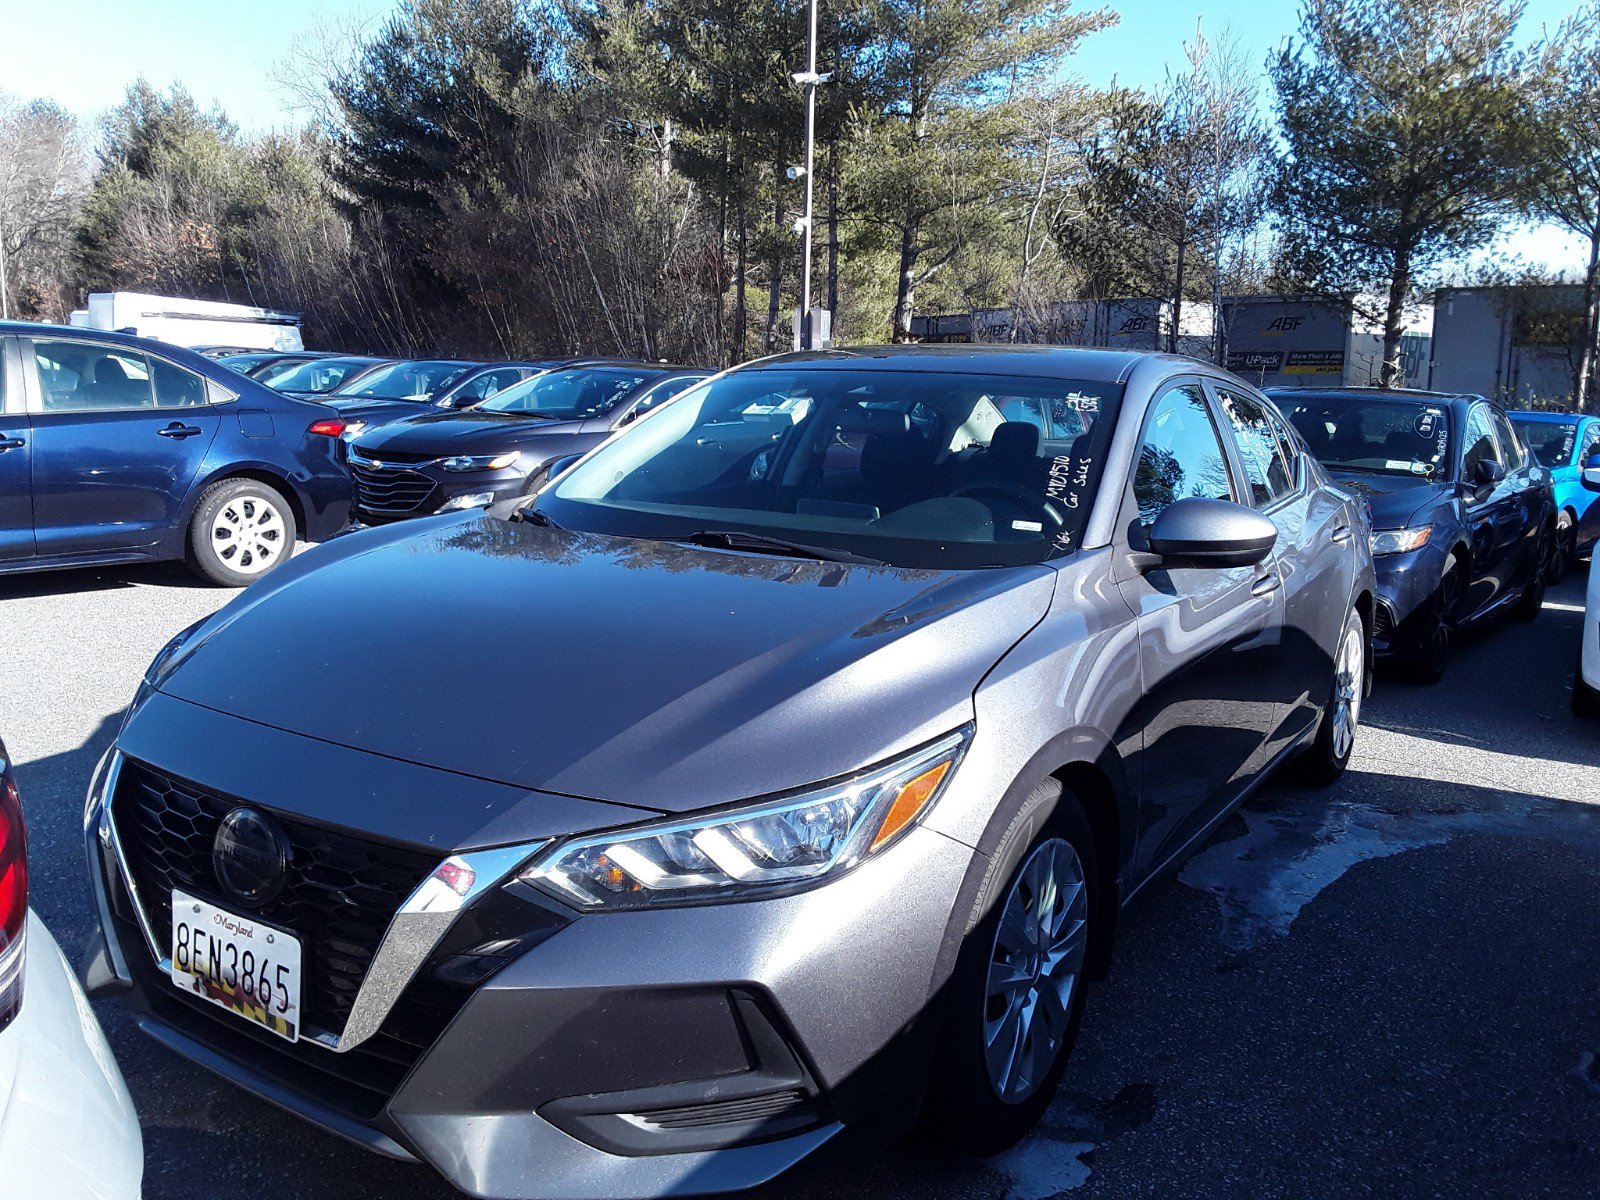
x=892 y=673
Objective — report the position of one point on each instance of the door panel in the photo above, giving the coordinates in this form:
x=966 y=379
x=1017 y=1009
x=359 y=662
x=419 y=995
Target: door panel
x=16 y=455
x=1208 y=639
x=1494 y=515
x=116 y=444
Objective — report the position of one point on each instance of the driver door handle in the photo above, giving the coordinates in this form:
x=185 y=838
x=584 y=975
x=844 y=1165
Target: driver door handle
x=1342 y=533
x=1266 y=585
x=12 y=443
x=176 y=430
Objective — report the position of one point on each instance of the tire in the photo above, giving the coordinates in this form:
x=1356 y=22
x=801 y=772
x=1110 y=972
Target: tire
x=1585 y=699
x=1564 y=550
x=241 y=529
x=974 y=1106
x=1531 y=603
x=1430 y=657
x=1329 y=753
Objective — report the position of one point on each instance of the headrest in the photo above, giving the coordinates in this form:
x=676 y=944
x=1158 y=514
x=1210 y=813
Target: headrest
x=1015 y=439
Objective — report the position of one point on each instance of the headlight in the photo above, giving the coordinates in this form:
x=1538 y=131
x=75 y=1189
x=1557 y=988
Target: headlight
x=480 y=462
x=1398 y=541
x=736 y=854
x=162 y=665
x=467 y=500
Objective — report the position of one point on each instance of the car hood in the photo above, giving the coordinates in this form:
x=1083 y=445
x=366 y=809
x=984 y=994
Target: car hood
x=467 y=432
x=1395 y=500
x=639 y=672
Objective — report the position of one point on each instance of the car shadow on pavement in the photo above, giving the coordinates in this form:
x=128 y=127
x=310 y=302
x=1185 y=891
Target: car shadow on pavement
x=34 y=584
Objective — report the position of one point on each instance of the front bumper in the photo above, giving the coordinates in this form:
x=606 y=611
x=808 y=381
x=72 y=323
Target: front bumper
x=655 y=1053
x=1408 y=586
x=383 y=497
x=67 y=1127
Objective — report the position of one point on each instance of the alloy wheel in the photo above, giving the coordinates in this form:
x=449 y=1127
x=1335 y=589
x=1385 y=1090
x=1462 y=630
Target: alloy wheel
x=1349 y=677
x=1034 y=970
x=247 y=534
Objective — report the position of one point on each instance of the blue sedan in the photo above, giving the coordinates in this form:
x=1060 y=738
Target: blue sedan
x=1565 y=442
x=119 y=449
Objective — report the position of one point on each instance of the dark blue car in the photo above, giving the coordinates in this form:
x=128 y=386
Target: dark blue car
x=1463 y=515
x=120 y=449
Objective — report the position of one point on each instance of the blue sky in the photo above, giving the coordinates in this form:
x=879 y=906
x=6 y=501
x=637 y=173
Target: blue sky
x=83 y=53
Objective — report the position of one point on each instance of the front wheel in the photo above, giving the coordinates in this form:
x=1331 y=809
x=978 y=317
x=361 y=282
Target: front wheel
x=1431 y=656
x=1564 y=551
x=1015 y=1000
x=1329 y=753
x=240 y=530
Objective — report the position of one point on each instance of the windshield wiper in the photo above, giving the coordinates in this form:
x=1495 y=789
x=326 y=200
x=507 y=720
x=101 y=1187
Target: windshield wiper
x=532 y=516
x=739 y=539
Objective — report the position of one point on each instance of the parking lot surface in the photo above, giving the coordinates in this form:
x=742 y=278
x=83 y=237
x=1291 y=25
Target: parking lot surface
x=1385 y=988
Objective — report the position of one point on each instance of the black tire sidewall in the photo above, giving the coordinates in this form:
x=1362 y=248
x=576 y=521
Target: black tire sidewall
x=963 y=1111
x=203 y=559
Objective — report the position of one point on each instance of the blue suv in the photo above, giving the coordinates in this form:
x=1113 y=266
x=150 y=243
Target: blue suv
x=1564 y=443
x=119 y=449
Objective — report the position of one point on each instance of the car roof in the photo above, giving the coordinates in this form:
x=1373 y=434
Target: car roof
x=1397 y=395
x=1045 y=362
x=1561 y=418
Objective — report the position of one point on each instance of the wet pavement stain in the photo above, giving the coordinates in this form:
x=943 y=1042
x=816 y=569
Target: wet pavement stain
x=1294 y=848
x=1060 y=1156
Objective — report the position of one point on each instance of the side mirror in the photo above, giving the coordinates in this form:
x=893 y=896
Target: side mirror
x=1487 y=473
x=1591 y=474
x=558 y=466
x=1211 y=533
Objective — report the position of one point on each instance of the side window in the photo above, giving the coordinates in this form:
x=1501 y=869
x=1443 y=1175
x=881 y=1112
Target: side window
x=175 y=387
x=1265 y=466
x=1513 y=452
x=1480 y=441
x=1181 y=456
x=1590 y=446
x=84 y=377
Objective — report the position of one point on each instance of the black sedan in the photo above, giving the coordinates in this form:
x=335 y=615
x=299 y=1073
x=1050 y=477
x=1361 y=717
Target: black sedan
x=400 y=389
x=1463 y=516
x=505 y=446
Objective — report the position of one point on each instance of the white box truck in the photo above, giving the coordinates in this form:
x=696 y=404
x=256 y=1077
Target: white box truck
x=191 y=322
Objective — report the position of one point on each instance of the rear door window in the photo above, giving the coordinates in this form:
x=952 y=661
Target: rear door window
x=175 y=387
x=1267 y=468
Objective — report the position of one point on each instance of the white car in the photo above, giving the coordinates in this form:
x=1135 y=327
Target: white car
x=68 y=1130
x=1586 y=685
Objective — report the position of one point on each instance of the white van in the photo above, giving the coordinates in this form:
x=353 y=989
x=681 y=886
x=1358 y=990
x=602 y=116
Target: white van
x=192 y=323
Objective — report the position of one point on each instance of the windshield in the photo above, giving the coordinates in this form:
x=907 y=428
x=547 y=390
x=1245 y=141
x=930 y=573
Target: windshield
x=911 y=468
x=318 y=375
x=573 y=395
x=406 y=381
x=1550 y=441
x=1380 y=437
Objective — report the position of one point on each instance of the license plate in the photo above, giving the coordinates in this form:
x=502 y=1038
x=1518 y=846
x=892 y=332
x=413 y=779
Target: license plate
x=250 y=969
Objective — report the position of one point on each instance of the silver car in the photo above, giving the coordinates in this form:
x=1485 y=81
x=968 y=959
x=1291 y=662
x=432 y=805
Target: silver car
x=780 y=769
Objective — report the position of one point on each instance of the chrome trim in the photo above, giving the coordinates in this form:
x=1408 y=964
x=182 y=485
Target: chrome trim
x=423 y=919
x=413 y=932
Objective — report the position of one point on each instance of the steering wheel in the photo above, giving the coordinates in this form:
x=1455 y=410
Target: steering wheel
x=1016 y=494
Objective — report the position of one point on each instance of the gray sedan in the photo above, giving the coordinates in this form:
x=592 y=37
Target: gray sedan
x=781 y=769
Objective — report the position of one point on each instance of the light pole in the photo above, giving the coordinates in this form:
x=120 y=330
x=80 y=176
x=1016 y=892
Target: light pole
x=809 y=79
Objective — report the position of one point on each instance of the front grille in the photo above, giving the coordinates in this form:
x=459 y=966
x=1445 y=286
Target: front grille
x=341 y=893
x=388 y=493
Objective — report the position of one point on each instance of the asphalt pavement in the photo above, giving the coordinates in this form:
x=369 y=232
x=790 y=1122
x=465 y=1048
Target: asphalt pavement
x=1385 y=988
